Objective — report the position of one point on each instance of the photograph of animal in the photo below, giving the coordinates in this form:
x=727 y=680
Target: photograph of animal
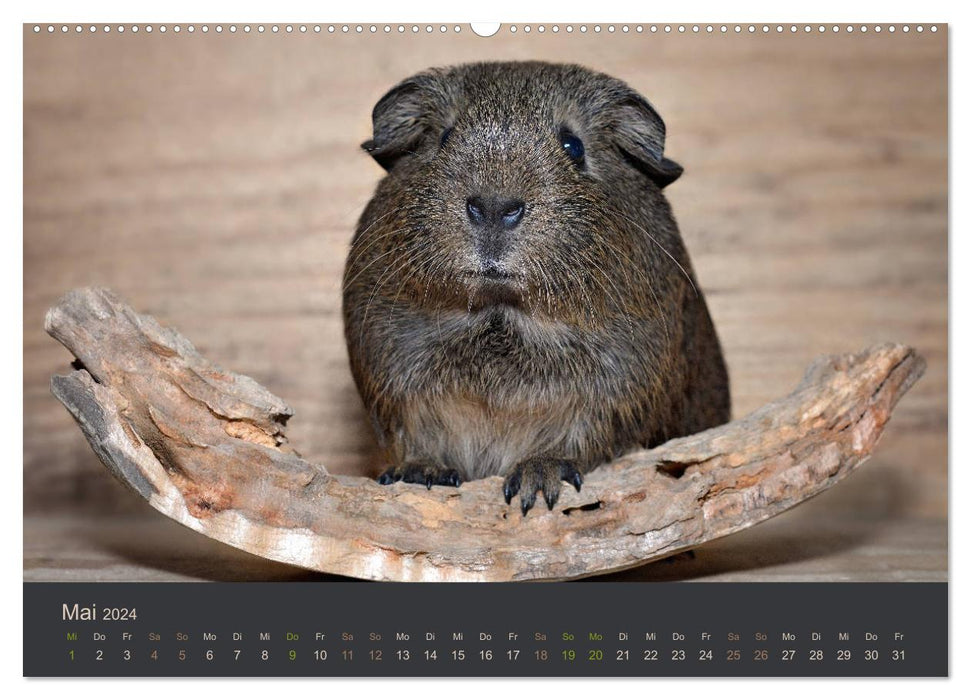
x=517 y=299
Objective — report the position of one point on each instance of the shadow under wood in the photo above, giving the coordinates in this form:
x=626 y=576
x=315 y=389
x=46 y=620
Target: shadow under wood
x=162 y=546
x=831 y=525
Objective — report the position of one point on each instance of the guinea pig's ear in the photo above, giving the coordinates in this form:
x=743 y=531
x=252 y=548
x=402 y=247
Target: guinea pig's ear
x=639 y=134
x=399 y=120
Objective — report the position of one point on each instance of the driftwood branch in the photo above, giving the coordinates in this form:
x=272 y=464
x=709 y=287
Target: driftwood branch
x=206 y=447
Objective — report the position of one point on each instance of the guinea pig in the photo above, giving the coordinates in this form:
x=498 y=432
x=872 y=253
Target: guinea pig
x=517 y=298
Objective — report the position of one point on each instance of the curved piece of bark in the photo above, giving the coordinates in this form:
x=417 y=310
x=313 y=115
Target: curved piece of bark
x=206 y=447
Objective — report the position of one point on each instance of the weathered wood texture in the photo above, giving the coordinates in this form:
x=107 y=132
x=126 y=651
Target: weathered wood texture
x=206 y=447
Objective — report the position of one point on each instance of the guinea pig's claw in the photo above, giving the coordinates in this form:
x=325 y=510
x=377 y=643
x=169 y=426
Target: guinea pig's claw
x=572 y=476
x=511 y=487
x=388 y=477
x=540 y=474
x=526 y=501
x=424 y=473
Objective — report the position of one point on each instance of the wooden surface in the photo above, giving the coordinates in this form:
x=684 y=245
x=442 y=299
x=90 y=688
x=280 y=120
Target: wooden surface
x=814 y=205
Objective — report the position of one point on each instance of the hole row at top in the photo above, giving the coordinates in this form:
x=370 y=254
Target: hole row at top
x=513 y=28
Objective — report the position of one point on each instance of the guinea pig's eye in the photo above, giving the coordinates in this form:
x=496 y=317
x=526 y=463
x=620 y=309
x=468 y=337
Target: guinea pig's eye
x=445 y=135
x=572 y=145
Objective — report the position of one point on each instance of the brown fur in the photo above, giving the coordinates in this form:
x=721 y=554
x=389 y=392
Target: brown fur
x=590 y=340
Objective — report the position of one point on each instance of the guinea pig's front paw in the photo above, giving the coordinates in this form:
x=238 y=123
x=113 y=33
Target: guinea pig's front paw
x=424 y=473
x=540 y=473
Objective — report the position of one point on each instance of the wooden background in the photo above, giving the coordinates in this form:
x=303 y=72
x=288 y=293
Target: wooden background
x=214 y=181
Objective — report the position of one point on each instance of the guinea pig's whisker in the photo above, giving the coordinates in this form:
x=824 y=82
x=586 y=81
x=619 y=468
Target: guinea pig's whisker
x=361 y=242
x=542 y=286
x=437 y=263
x=358 y=252
x=658 y=244
x=618 y=298
x=429 y=256
x=378 y=258
x=548 y=288
x=648 y=283
x=378 y=286
x=380 y=218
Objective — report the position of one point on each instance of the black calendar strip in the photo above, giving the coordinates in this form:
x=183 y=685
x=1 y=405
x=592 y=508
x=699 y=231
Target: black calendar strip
x=562 y=629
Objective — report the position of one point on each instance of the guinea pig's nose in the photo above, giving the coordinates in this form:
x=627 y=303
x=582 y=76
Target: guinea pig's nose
x=495 y=212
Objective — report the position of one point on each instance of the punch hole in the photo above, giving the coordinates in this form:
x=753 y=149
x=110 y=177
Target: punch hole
x=485 y=29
